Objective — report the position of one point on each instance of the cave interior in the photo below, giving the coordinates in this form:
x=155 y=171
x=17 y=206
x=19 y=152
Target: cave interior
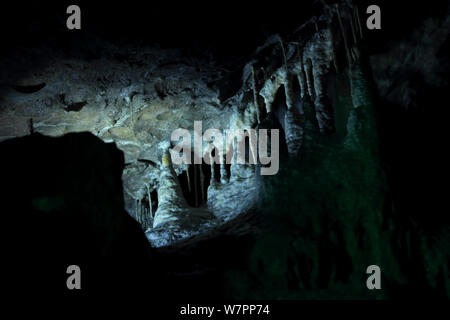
x=86 y=118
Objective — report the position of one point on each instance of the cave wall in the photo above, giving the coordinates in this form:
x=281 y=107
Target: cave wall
x=361 y=124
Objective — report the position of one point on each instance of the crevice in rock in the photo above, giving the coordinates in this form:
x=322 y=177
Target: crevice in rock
x=154 y=201
x=279 y=105
x=249 y=154
x=194 y=183
x=145 y=208
x=149 y=162
x=161 y=89
x=216 y=167
x=185 y=183
x=77 y=106
x=206 y=170
x=29 y=89
x=270 y=122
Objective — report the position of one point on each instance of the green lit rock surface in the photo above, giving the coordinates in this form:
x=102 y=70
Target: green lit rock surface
x=327 y=217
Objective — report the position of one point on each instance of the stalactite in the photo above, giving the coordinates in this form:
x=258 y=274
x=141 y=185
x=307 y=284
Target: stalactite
x=145 y=217
x=355 y=22
x=309 y=78
x=301 y=74
x=213 y=169
x=264 y=73
x=359 y=21
x=271 y=86
x=139 y=210
x=286 y=82
x=188 y=179
x=294 y=131
x=223 y=171
x=324 y=112
x=341 y=25
x=255 y=96
x=288 y=92
x=253 y=152
x=233 y=165
x=131 y=117
x=318 y=56
x=336 y=68
x=284 y=55
x=352 y=26
x=355 y=54
x=136 y=213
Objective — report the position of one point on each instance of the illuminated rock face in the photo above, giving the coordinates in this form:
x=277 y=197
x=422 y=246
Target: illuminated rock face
x=136 y=98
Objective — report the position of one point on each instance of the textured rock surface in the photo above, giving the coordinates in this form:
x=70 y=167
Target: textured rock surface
x=339 y=202
x=136 y=97
x=410 y=66
x=133 y=97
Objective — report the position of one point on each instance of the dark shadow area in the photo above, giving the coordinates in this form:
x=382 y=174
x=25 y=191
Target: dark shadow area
x=62 y=205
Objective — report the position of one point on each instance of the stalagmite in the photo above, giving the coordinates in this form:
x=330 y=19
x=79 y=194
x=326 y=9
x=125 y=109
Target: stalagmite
x=171 y=204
